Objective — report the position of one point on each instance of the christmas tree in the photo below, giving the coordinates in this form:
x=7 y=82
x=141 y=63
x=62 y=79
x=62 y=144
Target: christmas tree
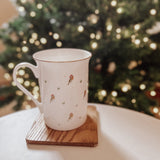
x=122 y=35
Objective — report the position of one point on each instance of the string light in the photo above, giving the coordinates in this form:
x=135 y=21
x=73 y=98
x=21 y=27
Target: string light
x=59 y=44
x=25 y=49
x=155 y=110
x=133 y=100
x=153 y=46
x=92 y=18
x=21 y=9
x=19 y=93
x=7 y=76
x=31 y=40
x=43 y=40
x=92 y=35
x=118 y=30
x=33 y=84
x=125 y=88
x=55 y=36
x=145 y=39
x=20 y=80
x=80 y=28
x=102 y=94
x=109 y=27
x=153 y=93
x=18 y=49
x=137 y=27
x=13 y=83
x=21 y=72
x=153 y=12
x=37 y=43
x=34 y=36
x=119 y=10
x=118 y=36
x=114 y=93
x=24 y=42
x=94 y=45
x=39 y=6
x=32 y=14
x=50 y=33
x=142 y=86
x=113 y=3
x=96 y=11
x=29 y=98
x=27 y=83
x=23 y=1
x=137 y=41
x=11 y=65
x=98 y=35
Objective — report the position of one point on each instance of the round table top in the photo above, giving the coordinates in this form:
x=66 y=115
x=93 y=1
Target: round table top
x=122 y=135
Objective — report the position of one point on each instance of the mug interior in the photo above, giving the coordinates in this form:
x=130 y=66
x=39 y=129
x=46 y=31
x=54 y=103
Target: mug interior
x=62 y=55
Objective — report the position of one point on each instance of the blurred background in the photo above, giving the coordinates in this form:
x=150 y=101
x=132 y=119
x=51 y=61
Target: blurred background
x=122 y=35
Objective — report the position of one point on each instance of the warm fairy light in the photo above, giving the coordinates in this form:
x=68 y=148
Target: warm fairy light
x=19 y=55
x=153 y=46
x=96 y=11
x=19 y=93
x=118 y=30
x=155 y=110
x=113 y=3
x=26 y=83
x=24 y=42
x=92 y=35
x=34 y=36
x=39 y=6
x=137 y=41
x=18 y=49
x=114 y=93
x=36 y=88
x=153 y=12
x=94 y=45
x=26 y=75
x=50 y=33
x=109 y=27
x=137 y=27
x=25 y=49
x=59 y=44
x=7 y=76
x=21 y=72
x=27 y=106
x=118 y=36
x=98 y=35
x=32 y=14
x=37 y=43
x=33 y=84
x=43 y=40
x=55 y=36
x=153 y=93
x=103 y=93
x=31 y=40
x=11 y=65
x=142 y=86
x=133 y=100
x=20 y=80
x=21 y=9
x=23 y=1
x=119 y=10
x=13 y=83
x=125 y=88
x=145 y=39
x=36 y=96
x=29 y=98
x=80 y=28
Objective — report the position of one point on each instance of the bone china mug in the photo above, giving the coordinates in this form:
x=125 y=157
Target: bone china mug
x=63 y=79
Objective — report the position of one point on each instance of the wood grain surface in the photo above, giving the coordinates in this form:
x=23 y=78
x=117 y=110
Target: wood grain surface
x=86 y=135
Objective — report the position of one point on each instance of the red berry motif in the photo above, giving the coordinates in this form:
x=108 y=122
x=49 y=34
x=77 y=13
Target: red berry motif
x=52 y=97
x=70 y=79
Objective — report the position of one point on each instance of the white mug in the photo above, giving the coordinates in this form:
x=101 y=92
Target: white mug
x=63 y=80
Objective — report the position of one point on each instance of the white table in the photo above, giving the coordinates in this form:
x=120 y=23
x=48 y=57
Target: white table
x=123 y=135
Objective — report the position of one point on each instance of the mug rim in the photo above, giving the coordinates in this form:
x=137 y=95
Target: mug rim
x=89 y=55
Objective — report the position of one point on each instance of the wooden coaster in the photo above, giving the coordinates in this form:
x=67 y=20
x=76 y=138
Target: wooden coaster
x=86 y=135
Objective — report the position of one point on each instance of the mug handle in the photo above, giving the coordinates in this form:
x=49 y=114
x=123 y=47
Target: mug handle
x=36 y=74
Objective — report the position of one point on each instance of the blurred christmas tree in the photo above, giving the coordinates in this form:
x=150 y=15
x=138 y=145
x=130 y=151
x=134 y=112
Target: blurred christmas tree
x=123 y=36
